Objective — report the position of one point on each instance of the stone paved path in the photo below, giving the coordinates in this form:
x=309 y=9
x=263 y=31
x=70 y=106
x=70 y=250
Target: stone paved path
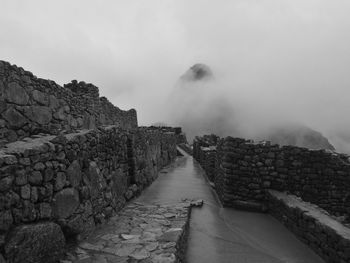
x=139 y=233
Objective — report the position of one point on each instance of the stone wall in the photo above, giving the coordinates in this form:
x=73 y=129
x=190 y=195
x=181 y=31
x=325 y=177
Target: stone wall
x=30 y=105
x=153 y=149
x=111 y=115
x=74 y=180
x=204 y=150
x=326 y=236
x=245 y=170
x=307 y=190
x=180 y=136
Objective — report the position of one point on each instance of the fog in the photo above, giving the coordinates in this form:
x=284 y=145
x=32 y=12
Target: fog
x=274 y=61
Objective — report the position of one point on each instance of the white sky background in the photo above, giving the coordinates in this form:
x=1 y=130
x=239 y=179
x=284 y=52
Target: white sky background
x=278 y=59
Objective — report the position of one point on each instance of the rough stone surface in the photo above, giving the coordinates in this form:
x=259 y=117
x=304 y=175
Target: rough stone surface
x=139 y=233
x=95 y=179
x=243 y=170
x=39 y=114
x=44 y=106
x=247 y=175
x=79 y=179
x=40 y=97
x=6 y=220
x=35 y=178
x=74 y=173
x=14 y=118
x=65 y=203
x=2 y=260
x=16 y=94
x=53 y=169
x=6 y=183
x=314 y=226
x=36 y=243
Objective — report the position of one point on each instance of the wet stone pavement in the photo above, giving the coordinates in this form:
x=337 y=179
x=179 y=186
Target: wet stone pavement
x=224 y=235
x=139 y=233
x=215 y=234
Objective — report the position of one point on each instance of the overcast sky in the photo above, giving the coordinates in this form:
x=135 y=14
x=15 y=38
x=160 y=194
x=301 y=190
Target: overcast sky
x=288 y=58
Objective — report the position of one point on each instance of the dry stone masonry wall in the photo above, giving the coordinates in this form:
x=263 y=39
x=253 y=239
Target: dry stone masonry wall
x=180 y=136
x=75 y=180
x=307 y=190
x=244 y=170
x=153 y=149
x=111 y=115
x=68 y=161
x=204 y=150
x=30 y=105
x=326 y=236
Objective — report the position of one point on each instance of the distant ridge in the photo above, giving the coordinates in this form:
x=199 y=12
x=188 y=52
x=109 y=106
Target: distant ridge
x=217 y=114
x=299 y=135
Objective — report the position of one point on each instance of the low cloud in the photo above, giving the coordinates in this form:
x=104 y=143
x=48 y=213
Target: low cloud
x=274 y=61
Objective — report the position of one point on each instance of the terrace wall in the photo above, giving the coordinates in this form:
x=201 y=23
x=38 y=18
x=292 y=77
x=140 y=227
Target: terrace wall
x=75 y=181
x=30 y=105
x=244 y=170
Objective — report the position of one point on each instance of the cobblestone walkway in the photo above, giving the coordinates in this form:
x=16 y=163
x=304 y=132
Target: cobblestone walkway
x=139 y=233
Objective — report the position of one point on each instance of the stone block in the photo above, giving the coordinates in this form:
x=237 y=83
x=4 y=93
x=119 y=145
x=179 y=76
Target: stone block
x=39 y=114
x=39 y=166
x=65 y=203
x=34 y=194
x=25 y=191
x=14 y=93
x=35 y=243
x=2 y=89
x=6 y=220
x=48 y=175
x=45 y=210
x=74 y=173
x=29 y=212
x=14 y=118
x=6 y=183
x=53 y=102
x=60 y=181
x=36 y=178
x=80 y=224
x=21 y=177
x=40 y=97
x=95 y=179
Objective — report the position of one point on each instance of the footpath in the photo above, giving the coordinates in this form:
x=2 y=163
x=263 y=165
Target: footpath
x=160 y=226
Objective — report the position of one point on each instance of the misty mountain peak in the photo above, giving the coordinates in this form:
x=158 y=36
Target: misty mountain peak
x=197 y=72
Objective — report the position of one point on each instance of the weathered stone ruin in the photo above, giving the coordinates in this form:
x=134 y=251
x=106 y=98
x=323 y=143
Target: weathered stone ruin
x=204 y=150
x=30 y=105
x=307 y=190
x=68 y=161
